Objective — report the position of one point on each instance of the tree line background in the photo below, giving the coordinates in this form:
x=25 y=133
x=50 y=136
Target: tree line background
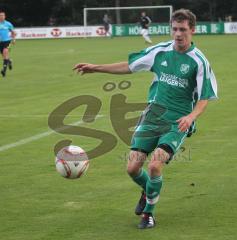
x=70 y=12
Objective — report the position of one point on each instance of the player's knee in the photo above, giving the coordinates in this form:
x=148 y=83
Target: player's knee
x=155 y=167
x=133 y=170
x=157 y=161
x=135 y=162
x=161 y=155
x=5 y=52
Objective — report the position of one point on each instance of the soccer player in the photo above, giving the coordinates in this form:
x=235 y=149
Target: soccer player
x=7 y=36
x=185 y=83
x=107 y=25
x=145 y=22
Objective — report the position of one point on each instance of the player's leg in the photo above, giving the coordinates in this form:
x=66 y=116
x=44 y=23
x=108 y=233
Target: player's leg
x=145 y=35
x=143 y=142
x=134 y=167
x=154 y=183
x=160 y=156
x=110 y=31
x=147 y=38
x=145 y=139
x=1 y=49
x=107 y=30
x=168 y=145
x=6 y=61
x=138 y=175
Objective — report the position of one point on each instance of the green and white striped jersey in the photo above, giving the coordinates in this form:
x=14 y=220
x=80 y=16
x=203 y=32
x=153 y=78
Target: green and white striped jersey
x=180 y=78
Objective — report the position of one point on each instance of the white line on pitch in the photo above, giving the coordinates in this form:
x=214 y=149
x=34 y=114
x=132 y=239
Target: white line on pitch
x=39 y=136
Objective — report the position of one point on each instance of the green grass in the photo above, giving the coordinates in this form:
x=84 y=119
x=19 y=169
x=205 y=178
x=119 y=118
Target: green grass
x=37 y=204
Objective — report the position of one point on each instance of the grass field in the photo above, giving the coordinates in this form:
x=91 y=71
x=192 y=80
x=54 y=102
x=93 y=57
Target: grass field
x=199 y=196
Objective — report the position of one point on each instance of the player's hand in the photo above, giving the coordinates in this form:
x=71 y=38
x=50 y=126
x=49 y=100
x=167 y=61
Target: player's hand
x=185 y=122
x=83 y=68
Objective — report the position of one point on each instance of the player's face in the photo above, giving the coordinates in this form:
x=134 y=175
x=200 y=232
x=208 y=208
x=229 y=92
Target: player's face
x=2 y=17
x=182 y=35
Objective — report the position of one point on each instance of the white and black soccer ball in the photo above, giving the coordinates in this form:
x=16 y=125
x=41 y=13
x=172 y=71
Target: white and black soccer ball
x=71 y=162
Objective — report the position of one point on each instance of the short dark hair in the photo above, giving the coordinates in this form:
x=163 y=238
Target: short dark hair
x=182 y=15
x=1 y=11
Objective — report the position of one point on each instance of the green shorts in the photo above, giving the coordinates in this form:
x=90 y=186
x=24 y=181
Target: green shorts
x=153 y=130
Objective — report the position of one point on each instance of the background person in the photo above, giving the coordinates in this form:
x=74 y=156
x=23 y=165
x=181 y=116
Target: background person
x=7 y=36
x=107 y=25
x=145 y=22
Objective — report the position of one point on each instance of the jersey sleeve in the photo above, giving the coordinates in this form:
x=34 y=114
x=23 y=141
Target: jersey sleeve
x=10 y=26
x=206 y=82
x=142 y=61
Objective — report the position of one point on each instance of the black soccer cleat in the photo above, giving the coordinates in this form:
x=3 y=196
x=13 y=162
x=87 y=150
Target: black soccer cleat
x=10 y=65
x=141 y=204
x=147 y=221
x=3 y=73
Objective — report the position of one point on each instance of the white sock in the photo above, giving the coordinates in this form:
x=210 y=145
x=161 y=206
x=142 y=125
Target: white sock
x=147 y=38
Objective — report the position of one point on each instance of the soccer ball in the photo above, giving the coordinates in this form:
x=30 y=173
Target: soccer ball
x=71 y=162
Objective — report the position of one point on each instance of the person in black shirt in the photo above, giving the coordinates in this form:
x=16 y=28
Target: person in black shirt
x=145 y=22
x=107 y=25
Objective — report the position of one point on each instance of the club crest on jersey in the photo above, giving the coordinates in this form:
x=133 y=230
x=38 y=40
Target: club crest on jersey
x=184 y=68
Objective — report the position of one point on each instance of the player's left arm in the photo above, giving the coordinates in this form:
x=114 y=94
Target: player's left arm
x=149 y=20
x=12 y=31
x=206 y=89
x=13 y=35
x=186 y=121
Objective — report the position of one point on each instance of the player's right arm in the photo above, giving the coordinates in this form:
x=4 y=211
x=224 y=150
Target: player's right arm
x=114 y=68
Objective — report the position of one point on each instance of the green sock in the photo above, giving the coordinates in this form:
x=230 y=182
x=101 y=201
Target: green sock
x=153 y=188
x=141 y=179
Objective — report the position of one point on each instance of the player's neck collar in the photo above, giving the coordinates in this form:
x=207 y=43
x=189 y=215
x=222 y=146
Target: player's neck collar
x=190 y=48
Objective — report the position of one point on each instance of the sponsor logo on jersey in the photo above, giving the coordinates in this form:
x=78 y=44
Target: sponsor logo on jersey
x=173 y=80
x=184 y=68
x=164 y=63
